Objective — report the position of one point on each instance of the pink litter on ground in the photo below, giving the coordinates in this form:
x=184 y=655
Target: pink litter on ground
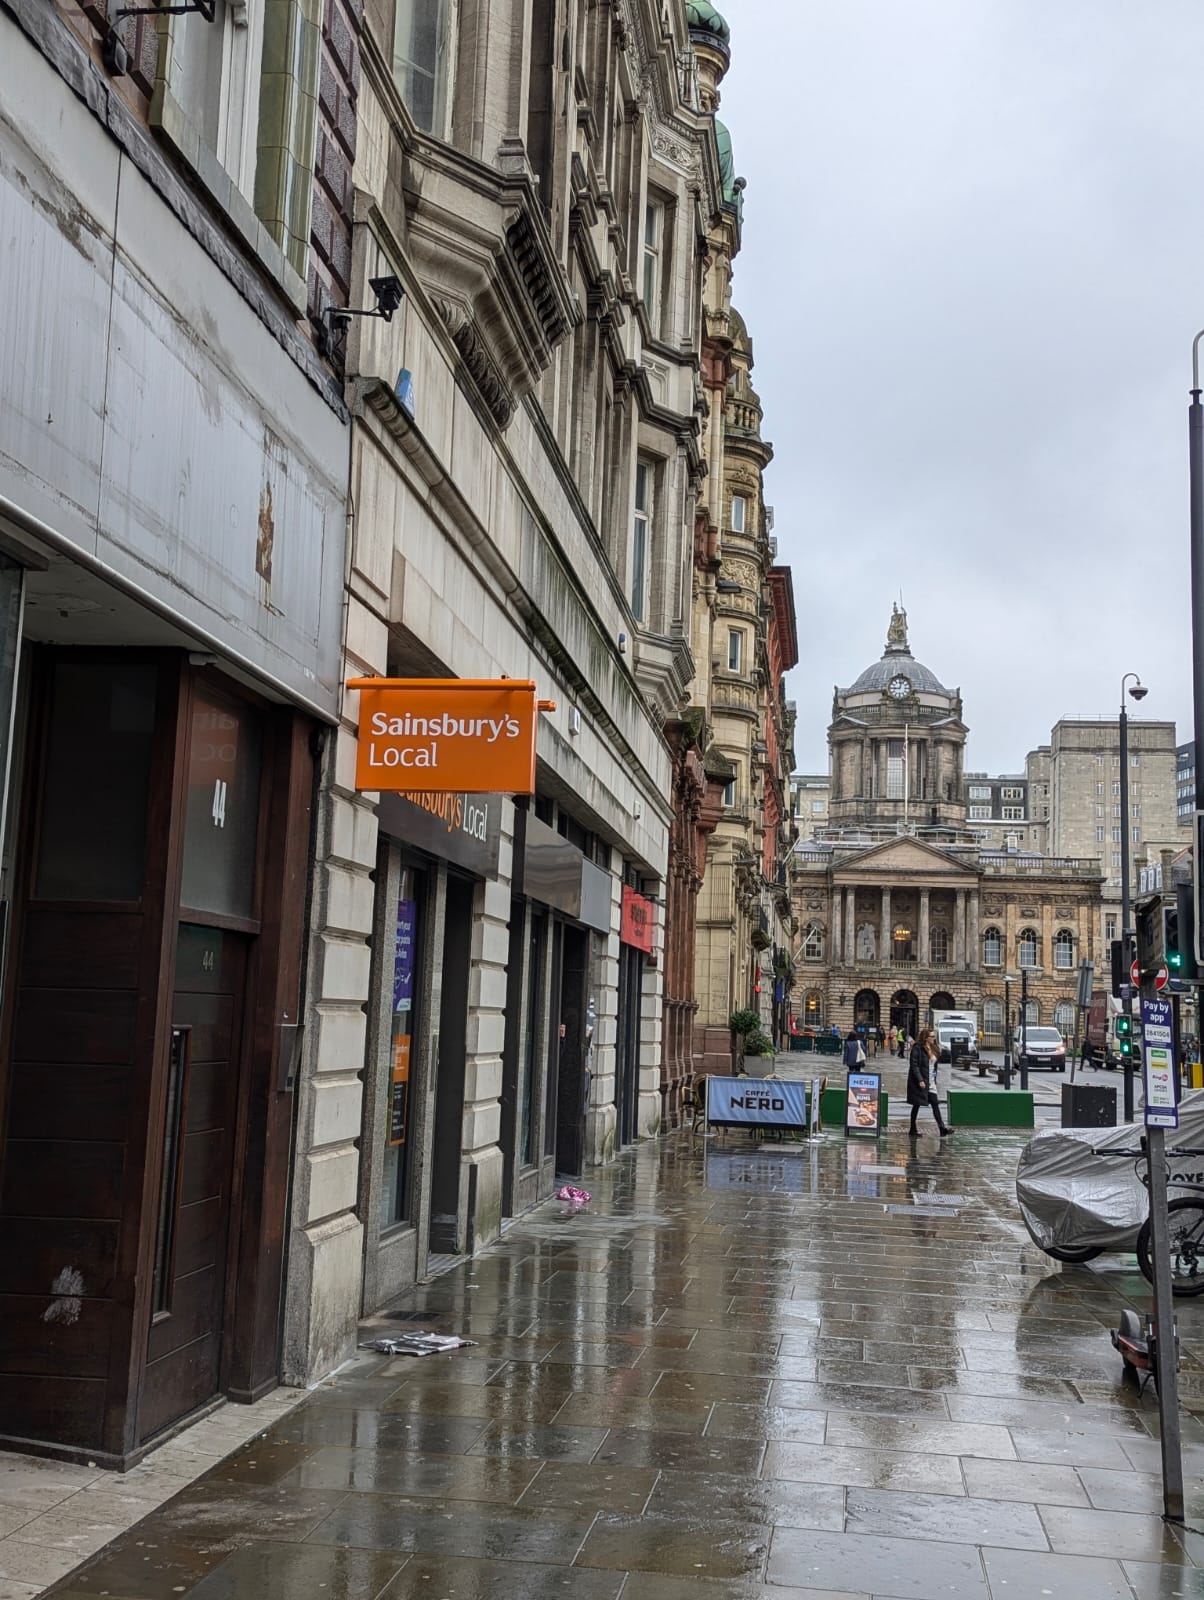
x=578 y=1197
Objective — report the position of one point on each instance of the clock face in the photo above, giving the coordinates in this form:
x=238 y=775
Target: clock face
x=899 y=688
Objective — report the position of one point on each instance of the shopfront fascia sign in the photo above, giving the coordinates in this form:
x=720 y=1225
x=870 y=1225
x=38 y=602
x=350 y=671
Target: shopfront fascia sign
x=558 y=875
x=465 y=829
x=447 y=735
x=637 y=925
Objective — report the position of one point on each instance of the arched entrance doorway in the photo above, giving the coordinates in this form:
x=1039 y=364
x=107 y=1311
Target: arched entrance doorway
x=866 y=1008
x=813 y=1010
x=905 y=1011
x=941 y=1001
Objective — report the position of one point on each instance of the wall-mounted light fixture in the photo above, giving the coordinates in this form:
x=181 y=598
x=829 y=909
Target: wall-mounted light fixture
x=622 y=644
x=574 y=720
x=335 y=320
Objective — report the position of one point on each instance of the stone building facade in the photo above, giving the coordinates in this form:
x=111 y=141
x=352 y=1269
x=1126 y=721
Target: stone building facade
x=901 y=909
x=524 y=507
x=1075 y=781
x=400 y=315
x=175 y=209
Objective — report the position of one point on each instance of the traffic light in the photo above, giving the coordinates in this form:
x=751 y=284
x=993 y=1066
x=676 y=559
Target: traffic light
x=1120 y=973
x=1172 y=955
x=1185 y=944
x=1148 y=921
x=1124 y=1037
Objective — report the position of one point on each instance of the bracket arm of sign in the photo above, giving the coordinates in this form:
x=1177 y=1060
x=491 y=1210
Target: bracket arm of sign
x=447 y=735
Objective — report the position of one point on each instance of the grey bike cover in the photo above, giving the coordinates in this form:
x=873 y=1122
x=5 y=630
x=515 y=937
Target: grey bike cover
x=1073 y=1194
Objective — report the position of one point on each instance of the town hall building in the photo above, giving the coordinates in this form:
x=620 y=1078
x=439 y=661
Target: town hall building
x=901 y=910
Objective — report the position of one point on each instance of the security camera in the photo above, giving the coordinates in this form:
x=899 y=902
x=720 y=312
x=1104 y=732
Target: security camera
x=389 y=295
x=1138 y=691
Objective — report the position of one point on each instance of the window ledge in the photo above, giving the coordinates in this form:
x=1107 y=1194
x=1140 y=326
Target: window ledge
x=170 y=121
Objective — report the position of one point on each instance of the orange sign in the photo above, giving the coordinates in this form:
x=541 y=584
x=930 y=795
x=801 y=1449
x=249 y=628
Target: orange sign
x=399 y=1099
x=447 y=734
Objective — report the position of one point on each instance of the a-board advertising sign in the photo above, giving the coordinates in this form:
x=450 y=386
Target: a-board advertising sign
x=757 y=1103
x=863 y=1095
x=447 y=735
x=1158 y=1060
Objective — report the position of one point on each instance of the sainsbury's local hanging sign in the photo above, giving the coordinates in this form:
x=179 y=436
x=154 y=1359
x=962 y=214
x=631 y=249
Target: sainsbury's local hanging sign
x=442 y=735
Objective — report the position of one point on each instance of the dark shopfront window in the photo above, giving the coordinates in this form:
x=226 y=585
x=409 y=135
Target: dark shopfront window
x=535 y=974
x=403 y=947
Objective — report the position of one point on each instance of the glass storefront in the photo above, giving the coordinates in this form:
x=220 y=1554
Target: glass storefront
x=407 y=988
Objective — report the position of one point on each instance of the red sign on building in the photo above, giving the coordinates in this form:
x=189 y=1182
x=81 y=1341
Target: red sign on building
x=636 y=925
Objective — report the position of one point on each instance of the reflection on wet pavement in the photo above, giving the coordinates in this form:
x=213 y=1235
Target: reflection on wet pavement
x=744 y=1373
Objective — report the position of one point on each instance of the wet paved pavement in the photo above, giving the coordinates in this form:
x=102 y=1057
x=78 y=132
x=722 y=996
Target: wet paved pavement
x=783 y=1373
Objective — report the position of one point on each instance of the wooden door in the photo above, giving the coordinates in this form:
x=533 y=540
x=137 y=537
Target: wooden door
x=192 y=1247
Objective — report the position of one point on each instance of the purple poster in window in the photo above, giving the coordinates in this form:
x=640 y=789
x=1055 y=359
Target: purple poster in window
x=403 y=955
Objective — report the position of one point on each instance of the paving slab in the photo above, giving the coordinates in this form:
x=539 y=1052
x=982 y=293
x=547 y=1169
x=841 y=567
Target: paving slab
x=766 y=1390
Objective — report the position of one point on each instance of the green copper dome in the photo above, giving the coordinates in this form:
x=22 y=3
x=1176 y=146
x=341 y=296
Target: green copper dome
x=702 y=16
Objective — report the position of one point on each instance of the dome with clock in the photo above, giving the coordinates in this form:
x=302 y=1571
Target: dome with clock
x=897 y=740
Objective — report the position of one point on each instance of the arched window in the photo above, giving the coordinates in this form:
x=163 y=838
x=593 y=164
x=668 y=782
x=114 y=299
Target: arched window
x=992 y=1018
x=1064 y=1017
x=813 y=1009
x=1033 y=1013
x=813 y=942
x=1064 y=949
x=1027 y=946
x=992 y=948
x=939 y=947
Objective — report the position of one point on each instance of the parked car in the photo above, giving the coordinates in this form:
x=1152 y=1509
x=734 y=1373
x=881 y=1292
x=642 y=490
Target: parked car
x=1039 y=1047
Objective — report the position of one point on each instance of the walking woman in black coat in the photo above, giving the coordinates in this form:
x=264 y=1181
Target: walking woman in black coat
x=921 y=1080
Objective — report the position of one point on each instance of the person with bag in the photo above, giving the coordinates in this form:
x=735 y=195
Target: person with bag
x=921 y=1081
x=853 y=1054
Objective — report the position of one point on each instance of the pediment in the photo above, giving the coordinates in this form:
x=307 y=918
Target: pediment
x=905 y=857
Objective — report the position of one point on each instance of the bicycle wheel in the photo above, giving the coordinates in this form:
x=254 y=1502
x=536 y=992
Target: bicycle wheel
x=1185 y=1218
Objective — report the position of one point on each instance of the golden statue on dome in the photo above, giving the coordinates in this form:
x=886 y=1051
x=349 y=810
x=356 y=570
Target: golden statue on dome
x=896 y=633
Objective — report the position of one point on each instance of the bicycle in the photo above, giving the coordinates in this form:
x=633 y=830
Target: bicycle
x=1185 y=1223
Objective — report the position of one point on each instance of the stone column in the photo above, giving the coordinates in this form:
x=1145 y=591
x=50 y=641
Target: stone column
x=884 y=936
x=835 y=946
x=925 y=948
x=974 y=953
x=959 y=931
x=850 y=926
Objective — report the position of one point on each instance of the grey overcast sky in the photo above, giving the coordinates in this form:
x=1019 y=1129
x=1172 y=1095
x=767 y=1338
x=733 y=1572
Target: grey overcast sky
x=973 y=264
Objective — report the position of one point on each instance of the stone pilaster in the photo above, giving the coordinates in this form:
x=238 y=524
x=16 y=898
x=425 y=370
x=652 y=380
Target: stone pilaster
x=974 y=938
x=884 y=952
x=925 y=942
x=835 y=944
x=959 y=932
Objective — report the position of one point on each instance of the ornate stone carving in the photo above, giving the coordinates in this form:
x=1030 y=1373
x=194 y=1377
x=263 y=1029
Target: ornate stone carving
x=483 y=370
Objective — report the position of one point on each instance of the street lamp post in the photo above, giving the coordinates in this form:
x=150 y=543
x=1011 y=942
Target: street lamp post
x=1007 y=1032
x=1138 y=691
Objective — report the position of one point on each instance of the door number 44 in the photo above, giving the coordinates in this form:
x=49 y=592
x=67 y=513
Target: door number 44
x=219 y=803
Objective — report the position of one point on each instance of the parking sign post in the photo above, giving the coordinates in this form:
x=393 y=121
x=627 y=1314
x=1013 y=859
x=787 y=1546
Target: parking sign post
x=1158 y=1050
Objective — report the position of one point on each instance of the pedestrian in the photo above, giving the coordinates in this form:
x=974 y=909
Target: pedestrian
x=922 y=1081
x=853 y=1054
x=892 y=1039
x=881 y=1037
